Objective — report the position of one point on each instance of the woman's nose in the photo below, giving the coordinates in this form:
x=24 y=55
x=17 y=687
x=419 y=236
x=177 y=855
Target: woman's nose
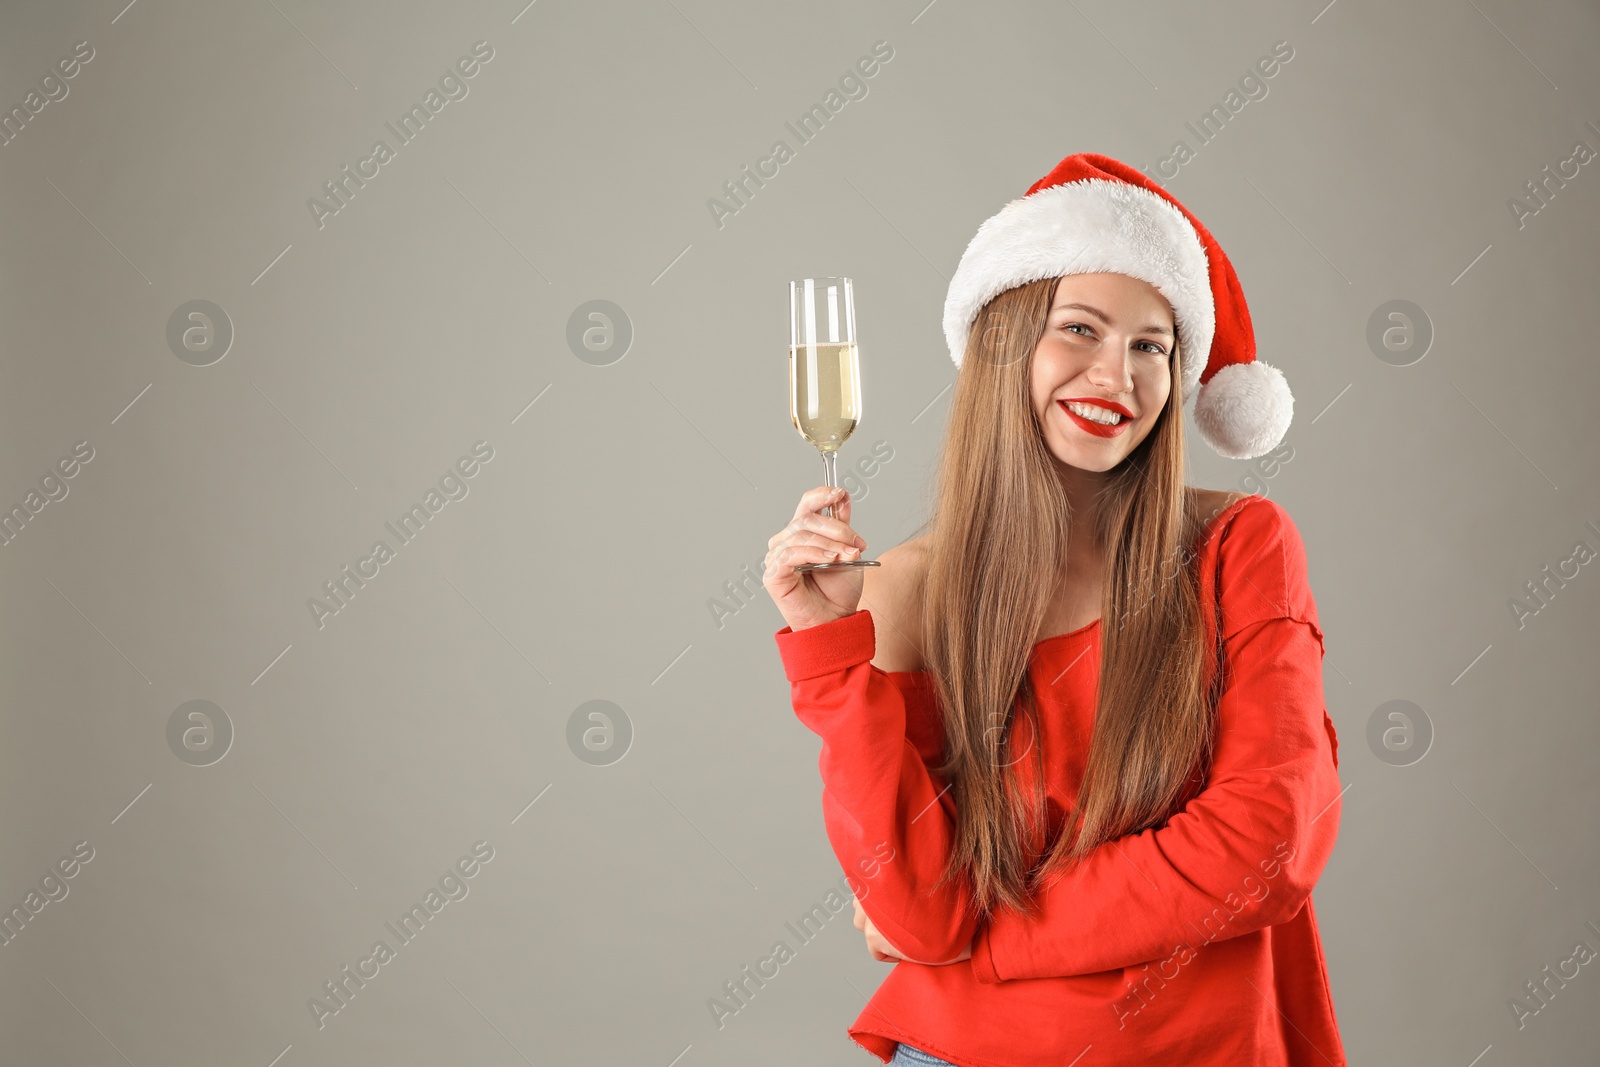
x=1110 y=369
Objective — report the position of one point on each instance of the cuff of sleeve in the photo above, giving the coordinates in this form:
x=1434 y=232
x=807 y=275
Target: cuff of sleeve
x=1237 y=631
x=827 y=647
x=983 y=957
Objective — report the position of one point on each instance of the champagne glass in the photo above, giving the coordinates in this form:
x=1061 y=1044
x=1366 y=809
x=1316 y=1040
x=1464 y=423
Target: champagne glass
x=824 y=378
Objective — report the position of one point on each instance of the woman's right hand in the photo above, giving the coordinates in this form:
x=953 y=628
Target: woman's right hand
x=810 y=598
x=884 y=952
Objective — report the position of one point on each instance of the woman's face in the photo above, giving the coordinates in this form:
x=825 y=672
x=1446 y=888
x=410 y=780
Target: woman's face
x=1107 y=346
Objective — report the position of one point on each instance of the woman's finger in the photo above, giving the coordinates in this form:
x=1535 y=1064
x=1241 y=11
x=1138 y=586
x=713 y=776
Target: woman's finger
x=785 y=559
x=812 y=501
x=818 y=540
x=837 y=527
x=882 y=950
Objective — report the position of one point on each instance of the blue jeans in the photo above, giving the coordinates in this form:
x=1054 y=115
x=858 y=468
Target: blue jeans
x=907 y=1056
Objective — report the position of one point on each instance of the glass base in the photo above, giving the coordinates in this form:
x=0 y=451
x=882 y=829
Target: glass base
x=837 y=565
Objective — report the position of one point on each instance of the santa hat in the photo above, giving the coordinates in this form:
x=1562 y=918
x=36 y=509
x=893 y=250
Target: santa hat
x=1094 y=214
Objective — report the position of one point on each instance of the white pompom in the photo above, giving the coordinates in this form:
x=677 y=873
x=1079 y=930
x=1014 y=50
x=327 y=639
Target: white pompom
x=1244 y=410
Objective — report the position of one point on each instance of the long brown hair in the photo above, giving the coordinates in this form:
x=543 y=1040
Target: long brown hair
x=1000 y=516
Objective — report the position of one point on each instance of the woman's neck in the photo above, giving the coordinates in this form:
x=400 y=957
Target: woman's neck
x=1082 y=490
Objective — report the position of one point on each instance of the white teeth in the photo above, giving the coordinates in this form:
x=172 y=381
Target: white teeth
x=1094 y=413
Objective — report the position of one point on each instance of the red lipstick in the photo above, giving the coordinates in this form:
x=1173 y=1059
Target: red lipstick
x=1096 y=428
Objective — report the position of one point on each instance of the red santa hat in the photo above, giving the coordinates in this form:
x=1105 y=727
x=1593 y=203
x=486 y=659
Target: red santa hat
x=1093 y=214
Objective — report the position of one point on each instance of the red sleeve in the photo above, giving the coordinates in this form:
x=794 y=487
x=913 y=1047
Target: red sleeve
x=889 y=824
x=1245 y=852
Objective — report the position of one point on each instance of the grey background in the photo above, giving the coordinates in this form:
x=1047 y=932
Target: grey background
x=431 y=312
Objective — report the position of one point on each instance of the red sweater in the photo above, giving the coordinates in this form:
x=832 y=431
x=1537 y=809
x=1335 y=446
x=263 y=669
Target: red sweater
x=1195 y=943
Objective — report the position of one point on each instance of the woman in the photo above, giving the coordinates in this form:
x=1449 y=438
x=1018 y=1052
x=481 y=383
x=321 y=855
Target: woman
x=1075 y=755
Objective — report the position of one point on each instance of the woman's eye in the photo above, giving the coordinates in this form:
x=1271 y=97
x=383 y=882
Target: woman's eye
x=1088 y=331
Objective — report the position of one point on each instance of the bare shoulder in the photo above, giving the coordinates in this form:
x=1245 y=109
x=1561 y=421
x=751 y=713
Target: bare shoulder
x=892 y=592
x=1213 y=502
x=1209 y=505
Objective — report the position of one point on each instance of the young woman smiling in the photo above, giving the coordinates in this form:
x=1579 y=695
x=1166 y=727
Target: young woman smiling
x=1085 y=709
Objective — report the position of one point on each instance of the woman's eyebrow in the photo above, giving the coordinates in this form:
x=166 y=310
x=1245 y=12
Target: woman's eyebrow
x=1103 y=317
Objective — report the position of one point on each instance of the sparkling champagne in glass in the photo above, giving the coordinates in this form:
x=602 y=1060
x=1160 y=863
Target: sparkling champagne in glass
x=824 y=377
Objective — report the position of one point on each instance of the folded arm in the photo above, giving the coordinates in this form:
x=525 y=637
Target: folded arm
x=1242 y=854
x=890 y=823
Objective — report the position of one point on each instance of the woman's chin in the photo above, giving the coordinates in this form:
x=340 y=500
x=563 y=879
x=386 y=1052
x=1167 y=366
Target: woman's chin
x=1092 y=460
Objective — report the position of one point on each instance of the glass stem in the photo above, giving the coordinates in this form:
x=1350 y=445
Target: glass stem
x=830 y=474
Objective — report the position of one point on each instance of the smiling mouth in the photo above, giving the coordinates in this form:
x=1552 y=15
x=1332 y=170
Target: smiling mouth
x=1094 y=413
